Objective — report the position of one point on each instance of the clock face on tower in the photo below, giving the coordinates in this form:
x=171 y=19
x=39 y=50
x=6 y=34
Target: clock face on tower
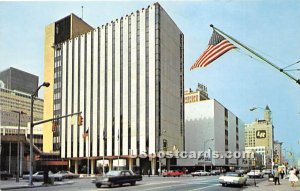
x=2 y=85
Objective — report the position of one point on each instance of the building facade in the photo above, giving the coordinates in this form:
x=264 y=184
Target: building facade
x=260 y=133
x=13 y=101
x=126 y=77
x=15 y=79
x=209 y=126
x=278 y=155
x=66 y=28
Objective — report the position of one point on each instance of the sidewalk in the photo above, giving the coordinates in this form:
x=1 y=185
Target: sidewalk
x=12 y=184
x=270 y=186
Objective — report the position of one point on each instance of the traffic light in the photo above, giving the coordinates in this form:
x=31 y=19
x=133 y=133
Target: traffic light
x=54 y=126
x=80 y=120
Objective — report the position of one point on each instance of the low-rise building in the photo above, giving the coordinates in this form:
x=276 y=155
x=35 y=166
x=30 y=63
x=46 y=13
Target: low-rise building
x=211 y=127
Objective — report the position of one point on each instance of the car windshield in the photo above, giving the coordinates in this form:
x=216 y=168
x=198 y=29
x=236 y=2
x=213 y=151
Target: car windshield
x=113 y=173
x=233 y=174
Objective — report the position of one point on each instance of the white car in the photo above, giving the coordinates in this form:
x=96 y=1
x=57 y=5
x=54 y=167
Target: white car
x=255 y=174
x=233 y=178
x=39 y=176
x=200 y=173
x=267 y=171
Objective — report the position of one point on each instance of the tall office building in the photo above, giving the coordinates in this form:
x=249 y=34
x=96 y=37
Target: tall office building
x=18 y=80
x=259 y=136
x=13 y=101
x=66 y=28
x=210 y=126
x=126 y=77
x=16 y=87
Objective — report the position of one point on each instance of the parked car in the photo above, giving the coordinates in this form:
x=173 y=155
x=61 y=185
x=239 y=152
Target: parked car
x=67 y=174
x=5 y=175
x=39 y=176
x=241 y=171
x=172 y=173
x=56 y=176
x=255 y=173
x=200 y=173
x=267 y=171
x=115 y=177
x=215 y=172
x=233 y=178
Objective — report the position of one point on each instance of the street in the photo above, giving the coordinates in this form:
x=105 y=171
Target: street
x=154 y=183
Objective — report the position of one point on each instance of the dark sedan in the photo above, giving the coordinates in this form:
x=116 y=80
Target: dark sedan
x=5 y=175
x=121 y=177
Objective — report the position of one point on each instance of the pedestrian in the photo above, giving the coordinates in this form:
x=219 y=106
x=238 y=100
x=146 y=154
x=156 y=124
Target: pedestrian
x=276 y=176
x=293 y=178
x=149 y=172
x=282 y=173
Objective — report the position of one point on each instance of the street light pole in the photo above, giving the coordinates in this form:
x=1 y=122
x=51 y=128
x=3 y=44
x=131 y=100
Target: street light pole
x=46 y=84
x=204 y=151
x=18 y=140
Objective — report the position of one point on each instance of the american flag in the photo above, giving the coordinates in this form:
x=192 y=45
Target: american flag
x=217 y=46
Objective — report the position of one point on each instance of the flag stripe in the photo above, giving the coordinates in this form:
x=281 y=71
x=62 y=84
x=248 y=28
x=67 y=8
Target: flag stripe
x=215 y=49
x=217 y=46
x=216 y=54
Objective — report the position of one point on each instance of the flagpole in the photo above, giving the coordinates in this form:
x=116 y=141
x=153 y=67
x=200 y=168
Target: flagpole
x=256 y=54
x=118 y=149
x=103 y=170
x=88 y=161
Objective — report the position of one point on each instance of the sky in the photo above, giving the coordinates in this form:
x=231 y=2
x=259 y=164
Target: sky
x=236 y=80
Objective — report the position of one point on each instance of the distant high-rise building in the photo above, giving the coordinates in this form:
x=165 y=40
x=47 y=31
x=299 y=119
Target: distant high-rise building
x=195 y=96
x=260 y=133
x=15 y=79
x=16 y=88
x=126 y=77
x=14 y=101
x=278 y=155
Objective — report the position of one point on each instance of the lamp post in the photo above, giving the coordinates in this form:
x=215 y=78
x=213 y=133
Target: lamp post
x=255 y=108
x=204 y=150
x=46 y=84
x=18 y=152
x=254 y=160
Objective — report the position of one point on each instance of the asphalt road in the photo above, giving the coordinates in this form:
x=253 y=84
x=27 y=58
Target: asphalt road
x=206 y=183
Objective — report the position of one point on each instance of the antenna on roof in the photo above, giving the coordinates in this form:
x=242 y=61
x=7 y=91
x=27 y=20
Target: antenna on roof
x=81 y=12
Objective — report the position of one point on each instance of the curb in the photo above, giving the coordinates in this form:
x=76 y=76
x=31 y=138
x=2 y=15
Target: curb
x=37 y=186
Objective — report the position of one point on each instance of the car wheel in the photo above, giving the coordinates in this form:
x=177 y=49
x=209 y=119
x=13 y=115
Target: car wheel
x=111 y=185
x=223 y=184
x=132 y=183
x=98 y=185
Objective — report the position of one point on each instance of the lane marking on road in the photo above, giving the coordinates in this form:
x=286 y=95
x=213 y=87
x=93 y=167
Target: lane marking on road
x=159 y=188
x=178 y=184
x=202 y=182
x=205 y=187
x=167 y=182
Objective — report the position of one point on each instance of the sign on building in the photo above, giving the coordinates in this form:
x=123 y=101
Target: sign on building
x=261 y=134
